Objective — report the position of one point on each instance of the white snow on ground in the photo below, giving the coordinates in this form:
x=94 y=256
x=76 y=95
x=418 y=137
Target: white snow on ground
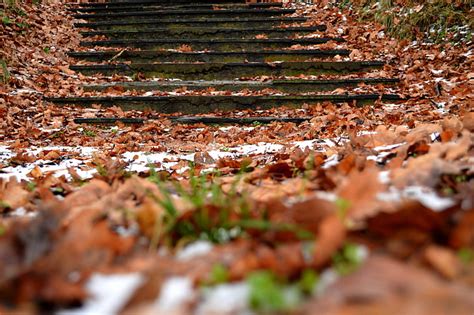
x=196 y=249
x=139 y=161
x=426 y=196
x=327 y=278
x=77 y=157
x=108 y=294
x=21 y=171
x=175 y=293
x=225 y=299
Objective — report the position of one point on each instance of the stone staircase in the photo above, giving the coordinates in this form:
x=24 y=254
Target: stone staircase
x=220 y=45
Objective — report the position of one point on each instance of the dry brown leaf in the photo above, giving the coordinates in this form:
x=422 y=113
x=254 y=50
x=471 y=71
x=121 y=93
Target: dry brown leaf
x=442 y=260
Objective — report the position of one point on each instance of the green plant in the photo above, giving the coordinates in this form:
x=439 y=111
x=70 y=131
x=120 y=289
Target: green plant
x=31 y=186
x=270 y=294
x=6 y=20
x=466 y=255
x=342 y=206
x=308 y=281
x=57 y=134
x=219 y=274
x=266 y=294
x=88 y=133
x=215 y=216
x=348 y=259
x=4 y=205
x=437 y=20
x=102 y=170
x=5 y=77
x=343 y=4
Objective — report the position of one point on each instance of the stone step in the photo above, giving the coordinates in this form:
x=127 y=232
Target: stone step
x=108 y=120
x=224 y=71
x=207 y=33
x=284 y=86
x=194 y=104
x=202 y=14
x=233 y=120
x=154 y=2
x=154 y=6
x=230 y=44
x=177 y=23
x=209 y=120
x=149 y=56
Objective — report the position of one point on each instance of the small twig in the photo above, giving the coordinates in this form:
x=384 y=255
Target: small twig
x=438 y=89
x=436 y=105
x=117 y=55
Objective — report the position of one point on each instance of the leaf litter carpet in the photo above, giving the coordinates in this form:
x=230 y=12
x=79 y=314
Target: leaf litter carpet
x=356 y=210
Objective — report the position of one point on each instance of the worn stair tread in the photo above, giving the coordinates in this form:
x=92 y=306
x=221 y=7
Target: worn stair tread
x=192 y=104
x=235 y=120
x=212 y=41
x=109 y=120
x=201 y=31
x=200 y=13
x=144 y=56
x=223 y=44
x=208 y=56
x=231 y=70
x=233 y=85
x=212 y=21
x=244 y=98
x=162 y=2
x=151 y=5
x=195 y=120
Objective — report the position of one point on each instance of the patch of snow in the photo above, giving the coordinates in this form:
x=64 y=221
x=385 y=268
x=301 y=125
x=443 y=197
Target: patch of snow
x=366 y=132
x=24 y=91
x=330 y=162
x=436 y=72
x=109 y=293
x=362 y=253
x=378 y=158
x=21 y=212
x=325 y=195
x=327 y=278
x=388 y=147
x=175 y=293
x=198 y=248
x=384 y=177
x=426 y=196
x=434 y=136
x=225 y=299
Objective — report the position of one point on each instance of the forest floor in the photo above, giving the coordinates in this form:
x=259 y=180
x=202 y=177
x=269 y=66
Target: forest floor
x=360 y=210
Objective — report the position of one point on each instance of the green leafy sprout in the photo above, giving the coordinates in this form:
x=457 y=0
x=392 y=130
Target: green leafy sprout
x=217 y=216
x=269 y=294
x=348 y=259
